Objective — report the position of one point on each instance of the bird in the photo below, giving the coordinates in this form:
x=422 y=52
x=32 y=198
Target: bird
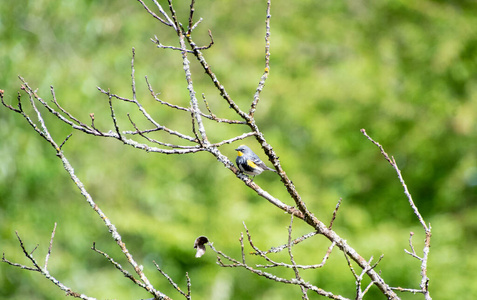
x=249 y=163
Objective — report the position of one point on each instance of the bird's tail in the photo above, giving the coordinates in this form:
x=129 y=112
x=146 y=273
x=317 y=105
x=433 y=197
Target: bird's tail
x=270 y=169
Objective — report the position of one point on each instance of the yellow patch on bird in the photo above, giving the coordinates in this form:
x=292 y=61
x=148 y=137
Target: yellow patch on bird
x=239 y=153
x=251 y=163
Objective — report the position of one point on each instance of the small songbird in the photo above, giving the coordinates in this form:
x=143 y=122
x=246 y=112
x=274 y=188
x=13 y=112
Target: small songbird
x=249 y=163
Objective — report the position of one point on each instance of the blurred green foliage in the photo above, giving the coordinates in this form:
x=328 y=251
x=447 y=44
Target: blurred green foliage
x=404 y=70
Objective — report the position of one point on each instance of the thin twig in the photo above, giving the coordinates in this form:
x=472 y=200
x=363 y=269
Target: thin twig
x=241 y=244
x=163 y=12
x=237 y=264
x=142 y=133
x=154 y=15
x=212 y=116
x=133 y=71
x=49 y=248
x=176 y=287
x=113 y=117
x=34 y=249
x=118 y=266
x=203 y=140
x=196 y=24
x=424 y=285
x=393 y=163
x=150 y=119
x=359 y=278
x=413 y=253
x=288 y=246
x=53 y=94
x=292 y=259
x=189 y=286
x=33 y=96
x=294 y=242
x=65 y=140
x=17 y=110
x=44 y=271
x=209 y=45
x=191 y=16
x=334 y=213
x=413 y=291
x=261 y=84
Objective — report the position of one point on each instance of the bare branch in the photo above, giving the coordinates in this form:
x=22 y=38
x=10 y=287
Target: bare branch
x=176 y=287
x=5 y=260
x=209 y=45
x=142 y=133
x=237 y=264
x=264 y=77
x=17 y=110
x=49 y=248
x=199 y=141
x=191 y=17
x=149 y=118
x=359 y=278
x=168 y=23
x=70 y=116
x=295 y=242
x=292 y=259
x=427 y=228
x=198 y=54
x=153 y=94
x=65 y=140
x=196 y=24
x=133 y=71
x=241 y=244
x=44 y=271
x=118 y=266
x=288 y=246
x=334 y=213
x=34 y=249
x=393 y=163
x=212 y=116
x=203 y=140
x=67 y=166
x=188 y=286
x=113 y=116
x=413 y=253
x=230 y=141
x=413 y=291
x=33 y=96
x=156 y=41
x=177 y=26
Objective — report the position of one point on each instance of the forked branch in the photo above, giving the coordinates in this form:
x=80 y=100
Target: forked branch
x=199 y=139
x=43 y=270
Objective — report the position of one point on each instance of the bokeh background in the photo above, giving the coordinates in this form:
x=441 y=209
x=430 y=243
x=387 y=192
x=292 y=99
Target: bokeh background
x=406 y=71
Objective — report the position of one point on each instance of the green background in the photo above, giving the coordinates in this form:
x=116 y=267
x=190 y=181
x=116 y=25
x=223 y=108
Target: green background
x=406 y=71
